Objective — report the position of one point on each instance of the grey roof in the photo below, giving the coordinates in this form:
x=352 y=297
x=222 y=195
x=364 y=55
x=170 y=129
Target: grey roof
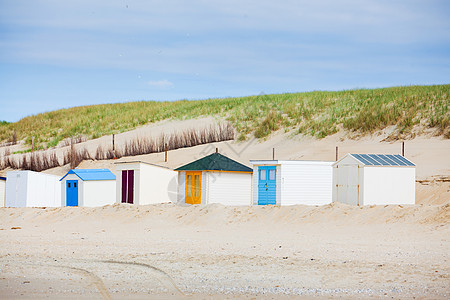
x=383 y=160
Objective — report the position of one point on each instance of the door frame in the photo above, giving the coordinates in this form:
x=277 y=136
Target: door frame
x=67 y=192
x=192 y=199
x=266 y=169
x=127 y=188
x=345 y=190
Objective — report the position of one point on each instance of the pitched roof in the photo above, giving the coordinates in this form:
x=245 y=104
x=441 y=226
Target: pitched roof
x=215 y=162
x=92 y=174
x=392 y=160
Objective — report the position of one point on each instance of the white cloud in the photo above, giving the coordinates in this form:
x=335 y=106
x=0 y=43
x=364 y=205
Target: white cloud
x=162 y=84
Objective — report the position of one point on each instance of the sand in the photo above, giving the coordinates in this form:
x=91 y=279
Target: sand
x=215 y=252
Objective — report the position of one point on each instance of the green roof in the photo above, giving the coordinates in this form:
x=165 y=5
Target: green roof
x=215 y=162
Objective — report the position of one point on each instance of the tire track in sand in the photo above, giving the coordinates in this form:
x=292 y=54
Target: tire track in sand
x=97 y=281
x=163 y=277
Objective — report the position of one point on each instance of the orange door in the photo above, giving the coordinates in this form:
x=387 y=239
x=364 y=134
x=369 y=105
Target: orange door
x=193 y=188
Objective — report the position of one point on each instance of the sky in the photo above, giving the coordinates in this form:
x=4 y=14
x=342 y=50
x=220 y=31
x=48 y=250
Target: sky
x=57 y=54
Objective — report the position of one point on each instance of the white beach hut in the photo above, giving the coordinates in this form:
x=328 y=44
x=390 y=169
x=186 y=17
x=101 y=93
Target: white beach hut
x=215 y=179
x=366 y=179
x=32 y=189
x=88 y=187
x=289 y=182
x=2 y=191
x=144 y=183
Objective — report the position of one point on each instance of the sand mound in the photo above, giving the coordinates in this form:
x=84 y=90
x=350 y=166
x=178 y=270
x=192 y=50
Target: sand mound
x=219 y=215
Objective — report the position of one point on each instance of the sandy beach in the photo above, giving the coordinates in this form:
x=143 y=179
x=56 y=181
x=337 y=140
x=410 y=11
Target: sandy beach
x=170 y=251
x=215 y=252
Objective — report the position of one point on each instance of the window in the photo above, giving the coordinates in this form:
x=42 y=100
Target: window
x=74 y=184
x=189 y=186
x=262 y=174
x=271 y=174
x=68 y=184
x=196 y=186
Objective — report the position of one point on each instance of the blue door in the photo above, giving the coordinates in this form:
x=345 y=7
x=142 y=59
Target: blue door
x=267 y=185
x=72 y=192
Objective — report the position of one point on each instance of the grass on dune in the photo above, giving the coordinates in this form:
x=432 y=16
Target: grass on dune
x=318 y=114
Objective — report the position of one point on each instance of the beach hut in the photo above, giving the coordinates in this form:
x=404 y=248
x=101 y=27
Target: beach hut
x=289 y=182
x=144 y=183
x=88 y=187
x=365 y=179
x=32 y=189
x=2 y=191
x=215 y=179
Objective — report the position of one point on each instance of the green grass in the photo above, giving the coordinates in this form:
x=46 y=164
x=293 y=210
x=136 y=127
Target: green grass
x=317 y=114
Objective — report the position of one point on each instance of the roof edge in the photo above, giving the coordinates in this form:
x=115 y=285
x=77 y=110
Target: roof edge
x=141 y=162
x=366 y=165
x=299 y=162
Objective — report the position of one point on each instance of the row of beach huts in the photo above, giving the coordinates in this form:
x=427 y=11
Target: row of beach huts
x=355 y=179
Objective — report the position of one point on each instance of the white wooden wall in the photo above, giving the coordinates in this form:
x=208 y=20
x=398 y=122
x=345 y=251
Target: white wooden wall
x=152 y=184
x=16 y=189
x=32 y=189
x=204 y=188
x=128 y=166
x=278 y=178
x=229 y=188
x=181 y=183
x=97 y=192
x=64 y=189
x=255 y=179
x=389 y=185
x=181 y=186
x=300 y=182
x=157 y=184
x=2 y=192
x=306 y=183
x=379 y=185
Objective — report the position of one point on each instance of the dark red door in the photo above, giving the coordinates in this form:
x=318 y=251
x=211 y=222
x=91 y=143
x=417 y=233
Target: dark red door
x=124 y=186
x=128 y=186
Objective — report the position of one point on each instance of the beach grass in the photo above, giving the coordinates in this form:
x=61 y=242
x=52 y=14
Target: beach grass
x=317 y=113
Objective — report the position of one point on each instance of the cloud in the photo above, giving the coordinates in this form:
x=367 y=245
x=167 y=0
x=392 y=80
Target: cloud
x=161 y=84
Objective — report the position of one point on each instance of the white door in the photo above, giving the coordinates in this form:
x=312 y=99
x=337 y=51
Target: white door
x=348 y=187
x=342 y=184
x=352 y=185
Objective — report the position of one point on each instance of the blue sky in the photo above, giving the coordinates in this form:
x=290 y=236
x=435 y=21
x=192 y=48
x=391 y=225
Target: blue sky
x=57 y=54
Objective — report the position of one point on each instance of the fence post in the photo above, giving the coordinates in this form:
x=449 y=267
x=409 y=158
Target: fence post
x=72 y=153
x=165 y=152
x=32 y=168
x=273 y=153
x=337 y=153
x=114 y=147
x=403 y=149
